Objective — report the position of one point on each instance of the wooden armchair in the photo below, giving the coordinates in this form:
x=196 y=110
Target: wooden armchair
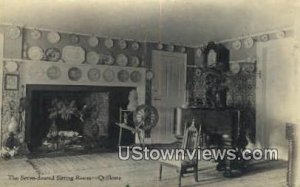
x=190 y=142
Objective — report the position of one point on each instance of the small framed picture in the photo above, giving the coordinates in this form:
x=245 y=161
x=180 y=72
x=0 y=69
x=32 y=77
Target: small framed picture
x=11 y=82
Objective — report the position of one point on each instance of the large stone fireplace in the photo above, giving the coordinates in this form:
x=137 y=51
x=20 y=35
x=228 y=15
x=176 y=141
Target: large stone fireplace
x=89 y=112
x=95 y=103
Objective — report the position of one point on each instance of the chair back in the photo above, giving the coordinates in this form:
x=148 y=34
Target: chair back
x=191 y=137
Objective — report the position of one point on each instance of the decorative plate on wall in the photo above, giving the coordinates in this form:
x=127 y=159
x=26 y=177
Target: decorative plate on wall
x=135 y=46
x=123 y=76
x=93 y=41
x=170 y=48
x=199 y=52
x=160 y=46
x=92 y=57
x=235 y=68
x=122 y=44
x=280 y=34
x=182 y=49
x=109 y=43
x=264 y=37
x=35 y=53
x=36 y=34
x=52 y=54
x=122 y=60
x=53 y=37
x=74 y=39
x=248 y=43
x=135 y=76
x=14 y=32
x=11 y=66
x=108 y=75
x=237 y=45
x=134 y=61
x=53 y=72
x=73 y=54
x=94 y=74
x=149 y=75
x=74 y=74
x=198 y=72
x=249 y=68
x=109 y=60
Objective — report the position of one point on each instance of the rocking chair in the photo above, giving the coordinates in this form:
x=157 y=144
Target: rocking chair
x=190 y=142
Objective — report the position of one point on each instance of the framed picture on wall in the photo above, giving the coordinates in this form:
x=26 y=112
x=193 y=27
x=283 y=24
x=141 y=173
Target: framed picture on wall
x=11 y=82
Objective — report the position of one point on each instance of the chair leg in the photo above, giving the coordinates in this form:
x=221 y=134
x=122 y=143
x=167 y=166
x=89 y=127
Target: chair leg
x=179 y=178
x=160 y=171
x=196 y=173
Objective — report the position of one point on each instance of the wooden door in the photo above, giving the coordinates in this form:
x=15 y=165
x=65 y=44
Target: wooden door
x=168 y=91
x=275 y=94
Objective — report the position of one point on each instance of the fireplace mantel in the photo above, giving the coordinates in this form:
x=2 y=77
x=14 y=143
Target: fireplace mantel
x=35 y=72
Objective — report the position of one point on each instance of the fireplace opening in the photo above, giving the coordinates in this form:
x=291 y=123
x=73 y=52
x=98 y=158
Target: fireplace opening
x=67 y=117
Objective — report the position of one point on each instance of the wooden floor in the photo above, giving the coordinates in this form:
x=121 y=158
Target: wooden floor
x=132 y=173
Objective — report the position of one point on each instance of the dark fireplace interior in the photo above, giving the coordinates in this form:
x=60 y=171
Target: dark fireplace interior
x=82 y=116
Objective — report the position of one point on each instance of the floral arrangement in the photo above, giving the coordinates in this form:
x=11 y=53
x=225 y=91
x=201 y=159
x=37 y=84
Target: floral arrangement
x=63 y=109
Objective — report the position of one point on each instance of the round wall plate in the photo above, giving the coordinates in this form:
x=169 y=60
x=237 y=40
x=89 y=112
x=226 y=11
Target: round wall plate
x=135 y=76
x=248 y=43
x=11 y=66
x=235 y=68
x=93 y=74
x=92 y=57
x=108 y=75
x=280 y=34
x=74 y=39
x=135 y=46
x=170 y=48
x=35 y=53
x=237 y=45
x=14 y=32
x=36 y=34
x=53 y=54
x=149 y=75
x=53 y=37
x=199 y=52
x=122 y=44
x=74 y=74
x=160 y=46
x=264 y=37
x=53 y=72
x=93 y=41
x=109 y=43
x=122 y=60
x=123 y=75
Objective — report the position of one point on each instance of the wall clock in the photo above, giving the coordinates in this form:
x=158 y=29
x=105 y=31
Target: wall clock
x=211 y=58
x=216 y=56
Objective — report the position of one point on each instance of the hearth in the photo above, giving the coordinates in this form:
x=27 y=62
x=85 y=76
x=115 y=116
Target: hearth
x=68 y=117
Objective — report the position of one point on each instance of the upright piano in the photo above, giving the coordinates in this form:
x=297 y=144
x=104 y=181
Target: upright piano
x=220 y=125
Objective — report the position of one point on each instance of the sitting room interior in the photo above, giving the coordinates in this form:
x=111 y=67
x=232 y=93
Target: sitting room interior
x=82 y=79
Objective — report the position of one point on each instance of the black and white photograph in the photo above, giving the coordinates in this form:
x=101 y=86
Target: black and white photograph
x=149 y=93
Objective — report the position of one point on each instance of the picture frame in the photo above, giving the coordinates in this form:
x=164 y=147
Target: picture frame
x=11 y=82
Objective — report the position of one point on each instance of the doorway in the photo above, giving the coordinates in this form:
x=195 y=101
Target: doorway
x=275 y=93
x=168 y=91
